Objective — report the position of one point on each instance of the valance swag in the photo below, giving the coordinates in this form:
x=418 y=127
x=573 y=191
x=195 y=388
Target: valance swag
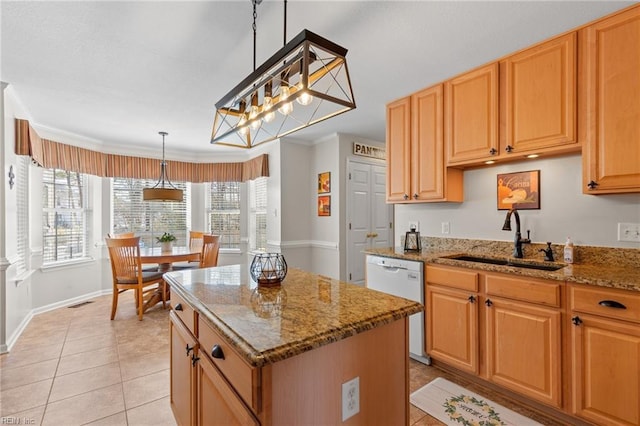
x=50 y=154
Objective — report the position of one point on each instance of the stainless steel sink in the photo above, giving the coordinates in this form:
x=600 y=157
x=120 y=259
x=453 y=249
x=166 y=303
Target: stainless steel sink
x=507 y=262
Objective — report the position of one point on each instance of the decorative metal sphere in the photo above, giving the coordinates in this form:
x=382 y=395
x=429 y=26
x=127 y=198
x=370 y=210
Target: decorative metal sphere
x=268 y=269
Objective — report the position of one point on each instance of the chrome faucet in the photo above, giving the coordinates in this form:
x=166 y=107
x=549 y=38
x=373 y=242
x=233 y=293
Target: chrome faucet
x=518 y=240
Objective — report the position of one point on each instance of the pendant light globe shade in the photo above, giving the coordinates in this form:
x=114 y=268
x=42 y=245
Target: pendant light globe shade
x=163 y=190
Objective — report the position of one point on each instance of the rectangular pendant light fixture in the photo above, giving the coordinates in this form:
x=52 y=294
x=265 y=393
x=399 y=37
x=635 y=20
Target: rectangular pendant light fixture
x=303 y=83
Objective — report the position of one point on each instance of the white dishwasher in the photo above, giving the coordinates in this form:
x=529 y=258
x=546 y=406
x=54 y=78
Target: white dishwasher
x=402 y=278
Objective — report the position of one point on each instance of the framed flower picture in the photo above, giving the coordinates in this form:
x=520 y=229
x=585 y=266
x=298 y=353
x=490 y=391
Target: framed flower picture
x=324 y=205
x=324 y=183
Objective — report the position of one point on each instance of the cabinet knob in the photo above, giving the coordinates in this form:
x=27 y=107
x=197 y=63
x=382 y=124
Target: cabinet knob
x=406 y=197
x=178 y=307
x=189 y=349
x=194 y=359
x=488 y=302
x=472 y=299
x=508 y=148
x=493 y=151
x=216 y=352
x=576 y=320
x=592 y=185
x=611 y=304
x=415 y=196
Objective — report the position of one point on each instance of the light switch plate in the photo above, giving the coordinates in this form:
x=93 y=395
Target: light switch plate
x=629 y=232
x=446 y=227
x=350 y=398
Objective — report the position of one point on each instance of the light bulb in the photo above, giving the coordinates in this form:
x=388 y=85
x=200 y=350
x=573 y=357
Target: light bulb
x=254 y=122
x=242 y=128
x=305 y=98
x=286 y=108
x=266 y=106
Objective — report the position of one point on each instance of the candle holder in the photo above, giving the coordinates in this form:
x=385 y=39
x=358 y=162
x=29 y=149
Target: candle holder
x=268 y=269
x=412 y=241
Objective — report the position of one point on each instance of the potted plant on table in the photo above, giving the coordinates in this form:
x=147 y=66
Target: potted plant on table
x=166 y=241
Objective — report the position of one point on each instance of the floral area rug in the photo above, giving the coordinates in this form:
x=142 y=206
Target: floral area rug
x=454 y=405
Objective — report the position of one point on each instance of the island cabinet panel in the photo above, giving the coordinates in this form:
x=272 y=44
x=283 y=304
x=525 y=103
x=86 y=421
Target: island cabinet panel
x=605 y=342
x=610 y=94
x=320 y=373
x=524 y=349
x=539 y=93
x=472 y=114
x=184 y=348
x=217 y=403
x=398 y=147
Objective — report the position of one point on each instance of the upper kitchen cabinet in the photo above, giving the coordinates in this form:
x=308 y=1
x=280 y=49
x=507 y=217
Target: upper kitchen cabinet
x=538 y=98
x=415 y=135
x=471 y=115
x=610 y=103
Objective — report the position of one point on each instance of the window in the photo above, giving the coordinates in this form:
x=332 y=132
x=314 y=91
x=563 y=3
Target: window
x=224 y=213
x=258 y=214
x=64 y=201
x=148 y=219
x=22 y=204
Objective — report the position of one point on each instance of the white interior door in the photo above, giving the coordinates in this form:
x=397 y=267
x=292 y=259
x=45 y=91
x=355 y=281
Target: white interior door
x=369 y=221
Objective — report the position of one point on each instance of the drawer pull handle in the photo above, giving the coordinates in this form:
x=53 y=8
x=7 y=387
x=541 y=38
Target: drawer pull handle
x=611 y=304
x=471 y=299
x=576 y=320
x=189 y=349
x=488 y=302
x=178 y=307
x=216 y=352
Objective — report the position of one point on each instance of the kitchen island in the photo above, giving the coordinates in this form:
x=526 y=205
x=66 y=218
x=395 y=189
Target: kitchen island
x=312 y=351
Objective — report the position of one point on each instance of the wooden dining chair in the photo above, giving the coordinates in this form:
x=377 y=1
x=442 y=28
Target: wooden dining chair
x=127 y=272
x=210 y=250
x=195 y=244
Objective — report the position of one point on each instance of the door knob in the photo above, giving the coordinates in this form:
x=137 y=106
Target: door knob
x=375 y=234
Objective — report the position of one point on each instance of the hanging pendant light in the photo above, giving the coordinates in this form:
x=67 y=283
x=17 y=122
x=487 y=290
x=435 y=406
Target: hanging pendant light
x=309 y=69
x=163 y=190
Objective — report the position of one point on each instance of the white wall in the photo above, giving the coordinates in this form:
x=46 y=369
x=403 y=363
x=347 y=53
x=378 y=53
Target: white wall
x=564 y=209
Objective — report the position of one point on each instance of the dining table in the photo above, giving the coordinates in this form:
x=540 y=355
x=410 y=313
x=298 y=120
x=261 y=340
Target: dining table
x=165 y=259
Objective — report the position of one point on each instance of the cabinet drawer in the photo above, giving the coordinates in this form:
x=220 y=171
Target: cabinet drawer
x=527 y=290
x=184 y=311
x=451 y=277
x=594 y=301
x=242 y=376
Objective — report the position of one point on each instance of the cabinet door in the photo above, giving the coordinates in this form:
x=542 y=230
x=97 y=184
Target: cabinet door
x=452 y=327
x=217 y=402
x=471 y=115
x=523 y=349
x=540 y=97
x=398 y=147
x=183 y=348
x=606 y=371
x=610 y=93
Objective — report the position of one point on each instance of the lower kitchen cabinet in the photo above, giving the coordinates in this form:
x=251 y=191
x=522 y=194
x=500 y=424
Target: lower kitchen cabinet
x=184 y=354
x=605 y=342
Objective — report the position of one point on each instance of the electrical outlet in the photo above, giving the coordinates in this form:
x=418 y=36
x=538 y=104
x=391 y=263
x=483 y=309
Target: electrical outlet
x=350 y=398
x=445 y=227
x=629 y=232
x=414 y=223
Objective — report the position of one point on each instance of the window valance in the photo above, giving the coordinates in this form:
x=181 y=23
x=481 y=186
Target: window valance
x=51 y=154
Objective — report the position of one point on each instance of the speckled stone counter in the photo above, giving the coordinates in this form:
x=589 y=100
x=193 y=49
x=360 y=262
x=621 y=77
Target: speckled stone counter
x=267 y=325
x=601 y=266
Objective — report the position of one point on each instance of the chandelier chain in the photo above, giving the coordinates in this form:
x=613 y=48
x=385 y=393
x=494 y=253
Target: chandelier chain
x=254 y=26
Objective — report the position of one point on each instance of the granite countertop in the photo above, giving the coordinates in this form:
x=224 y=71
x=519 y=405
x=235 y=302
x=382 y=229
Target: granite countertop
x=267 y=325
x=599 y=266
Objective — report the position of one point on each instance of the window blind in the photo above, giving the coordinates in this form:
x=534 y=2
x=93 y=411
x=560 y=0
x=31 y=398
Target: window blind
x=64 y=224
x=22 y=205
x=258 y=214
x=148 y=219
x=224 y=212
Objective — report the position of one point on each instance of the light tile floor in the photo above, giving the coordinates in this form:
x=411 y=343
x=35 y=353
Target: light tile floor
x=74 y=366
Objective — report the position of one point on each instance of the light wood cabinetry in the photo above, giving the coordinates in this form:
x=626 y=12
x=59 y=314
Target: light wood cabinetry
x=184 y=349
x=504 y=329
x=471 y=115
x=415 y=151
x=605 y=343
x=610 y=104
x=523 y=336
x=538 y=105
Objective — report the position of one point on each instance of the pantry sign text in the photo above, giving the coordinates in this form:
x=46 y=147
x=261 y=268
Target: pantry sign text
x=369 y=151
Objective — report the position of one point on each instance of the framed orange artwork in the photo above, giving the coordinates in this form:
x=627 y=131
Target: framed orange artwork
x=324 y=205
x=520 y=190
x=324 y=183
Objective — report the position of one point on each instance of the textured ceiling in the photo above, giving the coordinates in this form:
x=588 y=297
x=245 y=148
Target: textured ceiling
x=118 y=72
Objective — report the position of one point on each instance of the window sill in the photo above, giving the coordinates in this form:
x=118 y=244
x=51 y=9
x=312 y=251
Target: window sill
x=230 y=251
x=66 y=264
